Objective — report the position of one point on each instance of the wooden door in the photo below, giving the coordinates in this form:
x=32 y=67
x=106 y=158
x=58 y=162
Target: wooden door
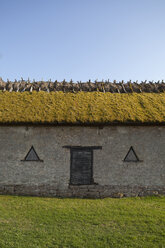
x=81 y=166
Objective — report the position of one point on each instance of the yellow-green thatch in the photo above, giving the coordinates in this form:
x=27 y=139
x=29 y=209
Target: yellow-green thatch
x=81 y=108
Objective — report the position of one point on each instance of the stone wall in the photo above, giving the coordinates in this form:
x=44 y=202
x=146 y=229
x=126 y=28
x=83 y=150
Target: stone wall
x=112 y=176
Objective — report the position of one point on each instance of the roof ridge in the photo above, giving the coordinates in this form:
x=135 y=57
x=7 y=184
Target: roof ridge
x=101 y=86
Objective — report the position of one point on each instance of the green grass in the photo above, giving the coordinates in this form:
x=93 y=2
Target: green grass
x=32 y=222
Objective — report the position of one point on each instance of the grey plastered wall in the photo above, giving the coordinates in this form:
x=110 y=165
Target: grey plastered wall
x=111 y=174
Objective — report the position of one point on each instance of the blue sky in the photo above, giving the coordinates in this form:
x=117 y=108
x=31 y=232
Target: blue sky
x=82 y=39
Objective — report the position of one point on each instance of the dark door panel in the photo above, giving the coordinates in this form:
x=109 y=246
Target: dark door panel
x=81 y=166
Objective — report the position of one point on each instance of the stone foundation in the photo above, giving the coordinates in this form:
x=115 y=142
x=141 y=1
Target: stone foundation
x=83 y=191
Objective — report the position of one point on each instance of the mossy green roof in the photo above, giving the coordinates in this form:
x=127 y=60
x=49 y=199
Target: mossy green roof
x=81 y=108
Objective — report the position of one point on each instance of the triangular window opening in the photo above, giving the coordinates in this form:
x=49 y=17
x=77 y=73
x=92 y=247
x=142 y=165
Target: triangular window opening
x=131 y=156
x=32 y=155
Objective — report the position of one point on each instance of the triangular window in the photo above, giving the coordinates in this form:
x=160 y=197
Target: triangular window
x=131 y=156
x=32 y=155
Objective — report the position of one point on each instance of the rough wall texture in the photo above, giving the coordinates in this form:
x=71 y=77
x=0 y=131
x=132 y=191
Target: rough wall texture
x=112 y=176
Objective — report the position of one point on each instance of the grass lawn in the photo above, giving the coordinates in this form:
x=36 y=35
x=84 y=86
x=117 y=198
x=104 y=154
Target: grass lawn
x=33 y=222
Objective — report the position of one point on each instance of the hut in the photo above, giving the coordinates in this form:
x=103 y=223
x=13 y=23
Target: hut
x=83 y=140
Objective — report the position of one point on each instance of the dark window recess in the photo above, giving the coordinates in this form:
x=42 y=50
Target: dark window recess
x=81 y=166
x=131 y=156
x=32 y=155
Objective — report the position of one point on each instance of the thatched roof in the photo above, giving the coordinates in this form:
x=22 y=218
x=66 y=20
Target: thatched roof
x=106 y=86
x=81 y=108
